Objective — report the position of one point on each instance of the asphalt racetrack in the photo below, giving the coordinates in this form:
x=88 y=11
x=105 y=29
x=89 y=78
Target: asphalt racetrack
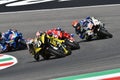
x=93 y=56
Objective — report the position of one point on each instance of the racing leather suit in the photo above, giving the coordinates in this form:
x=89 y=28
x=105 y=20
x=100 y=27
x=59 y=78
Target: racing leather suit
x=85 y=24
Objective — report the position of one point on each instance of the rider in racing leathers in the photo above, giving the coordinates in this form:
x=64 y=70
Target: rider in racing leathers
x=7 y=34
x=15 y=36
x=4 y=39
x=41 y=36
x=42 y=40
x=45 y=38
x=12 y=36
x=82 y=26
x=57 y=32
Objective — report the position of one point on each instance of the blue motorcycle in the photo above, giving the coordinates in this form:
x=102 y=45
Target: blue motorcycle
x=17 y=41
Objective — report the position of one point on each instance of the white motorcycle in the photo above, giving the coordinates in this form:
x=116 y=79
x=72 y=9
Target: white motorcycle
x=98 y=31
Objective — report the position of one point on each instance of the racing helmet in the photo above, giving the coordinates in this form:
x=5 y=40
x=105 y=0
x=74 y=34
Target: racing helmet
x=59 y=29
x=75 y=23
x=49 y=32
x=9 y=31
x=72 y=35
x=20 y=34
x=88 y=17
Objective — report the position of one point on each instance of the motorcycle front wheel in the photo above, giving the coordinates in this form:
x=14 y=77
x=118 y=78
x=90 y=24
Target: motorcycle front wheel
x=36 y=57
x=105 y=34
x=73 y=45
x=88 y=38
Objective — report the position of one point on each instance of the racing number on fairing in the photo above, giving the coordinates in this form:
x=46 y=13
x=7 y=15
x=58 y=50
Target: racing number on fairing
x=25 y=2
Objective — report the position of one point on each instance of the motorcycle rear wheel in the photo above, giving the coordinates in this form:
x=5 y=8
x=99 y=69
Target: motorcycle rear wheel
x=56 y=53
x=73 y=45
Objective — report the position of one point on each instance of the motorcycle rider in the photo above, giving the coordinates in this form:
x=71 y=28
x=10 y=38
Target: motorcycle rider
x=42 y=37
x=5 y=39
x=42 y=40
x=15 y=36
x=57 y=32
x=58 y=29
x=82 y=26
x=7 y=34
x=45 y=38
x=12 y=36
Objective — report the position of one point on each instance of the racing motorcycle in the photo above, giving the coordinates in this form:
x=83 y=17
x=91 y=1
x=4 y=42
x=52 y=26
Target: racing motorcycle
x=63 y=35
x=55 y=47
x=17 y=42
x=98 y=31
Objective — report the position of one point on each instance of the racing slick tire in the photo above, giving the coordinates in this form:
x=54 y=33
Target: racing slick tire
x=23 y=45
x=36 y=57
x=45 y=56
x=105 y=34
x=56 y=53
x=73 y=45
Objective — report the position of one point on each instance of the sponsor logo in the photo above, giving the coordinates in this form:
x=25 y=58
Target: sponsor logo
x=7 y=61
x=9 y=3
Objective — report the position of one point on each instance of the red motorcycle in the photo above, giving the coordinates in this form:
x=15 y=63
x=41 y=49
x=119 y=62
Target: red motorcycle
x=63 y=35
